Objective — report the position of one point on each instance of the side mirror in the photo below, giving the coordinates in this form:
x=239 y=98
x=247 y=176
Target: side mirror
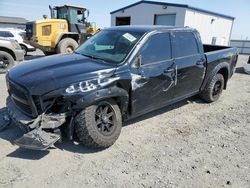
x=137 y=62
x=86 y=14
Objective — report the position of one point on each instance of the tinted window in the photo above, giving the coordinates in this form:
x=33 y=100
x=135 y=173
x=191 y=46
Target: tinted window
x=157 y=48
x=9 y=34
x=2 y=34
x=185 y=44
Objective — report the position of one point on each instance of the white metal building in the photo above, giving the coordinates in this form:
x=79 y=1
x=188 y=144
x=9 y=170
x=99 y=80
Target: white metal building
x=215 y=28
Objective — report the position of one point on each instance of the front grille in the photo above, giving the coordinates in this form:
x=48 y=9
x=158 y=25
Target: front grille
x=21 y=99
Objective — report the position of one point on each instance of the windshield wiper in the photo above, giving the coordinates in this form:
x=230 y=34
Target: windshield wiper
x=96 y=58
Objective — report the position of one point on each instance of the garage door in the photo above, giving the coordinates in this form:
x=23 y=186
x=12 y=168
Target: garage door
x=165 y=19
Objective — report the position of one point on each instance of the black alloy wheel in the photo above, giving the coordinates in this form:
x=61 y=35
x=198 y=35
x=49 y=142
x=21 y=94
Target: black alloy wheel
x=105 y=118
x=217 y=90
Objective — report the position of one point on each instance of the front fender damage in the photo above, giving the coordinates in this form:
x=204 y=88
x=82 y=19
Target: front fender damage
x=113 y=92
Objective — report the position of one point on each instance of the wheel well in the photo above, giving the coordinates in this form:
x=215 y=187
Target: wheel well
x=72 y=36
x=8 y=51
x=224 y=72
x=122 y=102
x=23 y=46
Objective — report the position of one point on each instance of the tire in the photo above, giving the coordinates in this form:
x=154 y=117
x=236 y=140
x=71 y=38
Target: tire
x=213 y=89
x=25 y=49
x=93 y=131
x=66 y=46
x=6 y=61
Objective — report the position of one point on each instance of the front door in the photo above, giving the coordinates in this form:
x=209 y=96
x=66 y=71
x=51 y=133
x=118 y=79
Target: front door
x=154 y=80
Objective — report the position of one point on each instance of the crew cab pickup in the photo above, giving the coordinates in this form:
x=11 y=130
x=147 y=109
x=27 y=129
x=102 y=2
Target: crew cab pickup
x=118 y=74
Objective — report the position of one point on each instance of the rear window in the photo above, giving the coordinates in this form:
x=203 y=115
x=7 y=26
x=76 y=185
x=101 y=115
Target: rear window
x=185 y=44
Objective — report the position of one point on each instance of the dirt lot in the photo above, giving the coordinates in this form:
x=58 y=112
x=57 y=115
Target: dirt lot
x=189 y=144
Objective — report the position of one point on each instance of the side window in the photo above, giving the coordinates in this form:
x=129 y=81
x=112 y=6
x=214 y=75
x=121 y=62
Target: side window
x=46 y=30
x=185 y=44
x=157 y=48
x=9 y=34
x=2 y=33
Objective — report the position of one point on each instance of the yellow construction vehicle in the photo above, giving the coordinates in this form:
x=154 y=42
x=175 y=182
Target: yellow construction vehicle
x=67 y=28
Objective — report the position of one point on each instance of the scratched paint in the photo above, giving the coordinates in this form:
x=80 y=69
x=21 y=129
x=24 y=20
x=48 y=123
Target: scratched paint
x=137 y=81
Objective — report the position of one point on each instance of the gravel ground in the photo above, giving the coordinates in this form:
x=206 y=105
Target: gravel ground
x=189 y=144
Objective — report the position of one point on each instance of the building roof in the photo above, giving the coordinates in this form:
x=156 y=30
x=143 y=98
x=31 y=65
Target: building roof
x=15 y=20
x=174 y=5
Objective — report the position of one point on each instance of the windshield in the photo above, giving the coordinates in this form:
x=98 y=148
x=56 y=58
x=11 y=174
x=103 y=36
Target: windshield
x=110 y=45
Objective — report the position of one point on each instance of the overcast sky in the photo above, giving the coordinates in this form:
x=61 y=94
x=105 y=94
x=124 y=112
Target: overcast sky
x=100 y=10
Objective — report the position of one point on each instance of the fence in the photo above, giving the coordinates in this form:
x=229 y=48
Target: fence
x=242 y=45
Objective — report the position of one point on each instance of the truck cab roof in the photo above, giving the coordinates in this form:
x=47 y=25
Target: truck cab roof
x=149 y=28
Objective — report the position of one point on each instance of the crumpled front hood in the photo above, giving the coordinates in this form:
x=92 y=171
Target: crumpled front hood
x=46 y=74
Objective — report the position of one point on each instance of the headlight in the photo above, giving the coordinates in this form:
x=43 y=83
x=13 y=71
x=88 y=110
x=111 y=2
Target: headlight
x=89 y=85
x=82 y=87
x=15 y=44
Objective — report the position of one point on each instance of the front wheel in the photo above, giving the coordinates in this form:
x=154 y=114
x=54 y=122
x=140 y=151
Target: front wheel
x=6 y=61
x=213 y=89
x=99 y=125
x=66 y=46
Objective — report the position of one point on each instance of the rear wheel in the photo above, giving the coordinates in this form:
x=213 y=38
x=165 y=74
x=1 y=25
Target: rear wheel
x=6 y=61
x=214 y=88
x=99 y=125
x=66 y=46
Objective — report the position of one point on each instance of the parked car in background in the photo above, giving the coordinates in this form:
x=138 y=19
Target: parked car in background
x=10 y=51
x=17 y=34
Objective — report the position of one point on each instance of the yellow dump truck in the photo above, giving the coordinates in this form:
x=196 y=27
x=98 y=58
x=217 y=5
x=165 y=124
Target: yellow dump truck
x=63 y=33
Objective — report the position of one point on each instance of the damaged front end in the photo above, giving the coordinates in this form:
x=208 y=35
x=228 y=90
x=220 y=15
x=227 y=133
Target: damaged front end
x=36 y=137
x=41 y=117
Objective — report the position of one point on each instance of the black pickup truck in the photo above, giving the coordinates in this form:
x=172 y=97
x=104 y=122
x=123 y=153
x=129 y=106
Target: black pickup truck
x=118 y=74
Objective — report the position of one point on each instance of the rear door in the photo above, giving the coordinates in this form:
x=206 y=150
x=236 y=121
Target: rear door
x=153 y=81
x=190 y=62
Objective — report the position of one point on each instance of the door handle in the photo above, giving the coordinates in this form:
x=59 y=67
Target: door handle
x=169 y=70
x=200 y=62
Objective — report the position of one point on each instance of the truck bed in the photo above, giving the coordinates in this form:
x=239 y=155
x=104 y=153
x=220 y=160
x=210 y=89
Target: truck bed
x=220 y=54
x=211 y=48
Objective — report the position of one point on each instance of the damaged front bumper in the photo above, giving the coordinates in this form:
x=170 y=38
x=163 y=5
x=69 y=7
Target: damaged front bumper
x=36 y=138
